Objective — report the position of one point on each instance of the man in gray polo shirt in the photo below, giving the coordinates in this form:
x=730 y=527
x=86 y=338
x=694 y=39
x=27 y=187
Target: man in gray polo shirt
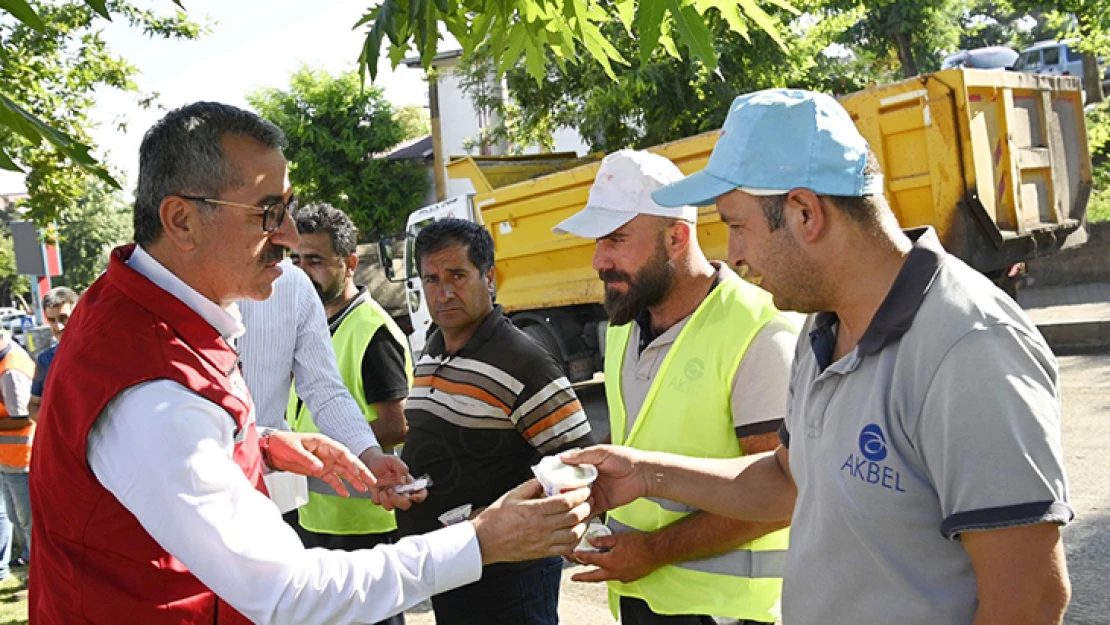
x=923 y=429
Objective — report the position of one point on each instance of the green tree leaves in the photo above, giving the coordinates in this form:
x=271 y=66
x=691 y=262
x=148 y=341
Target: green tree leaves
x=99 y=221
x=335 y=128
x=52 y=62
x=414 y=120
x=668 y=97
x=565 y=29
x=18 y=120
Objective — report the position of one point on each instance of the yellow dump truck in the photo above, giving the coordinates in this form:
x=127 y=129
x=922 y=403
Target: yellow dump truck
x=996 y=161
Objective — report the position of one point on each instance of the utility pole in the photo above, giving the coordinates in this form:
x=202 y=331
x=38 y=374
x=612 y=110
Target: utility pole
x=437 y=138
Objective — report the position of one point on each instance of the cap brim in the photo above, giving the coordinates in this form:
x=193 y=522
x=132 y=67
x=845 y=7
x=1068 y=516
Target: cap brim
x=697 y=189
x=594 y=222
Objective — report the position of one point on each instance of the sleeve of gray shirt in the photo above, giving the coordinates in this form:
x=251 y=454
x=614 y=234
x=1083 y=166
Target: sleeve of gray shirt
x=759 y=388
x=317 y=377
x=16 y=388
x=988 y=433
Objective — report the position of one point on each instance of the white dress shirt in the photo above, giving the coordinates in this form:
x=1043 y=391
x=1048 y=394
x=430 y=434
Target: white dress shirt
x=287 y=337
x=166 y=454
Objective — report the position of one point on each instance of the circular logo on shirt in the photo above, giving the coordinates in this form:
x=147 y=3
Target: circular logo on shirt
x=695 y=369
x=872 y=443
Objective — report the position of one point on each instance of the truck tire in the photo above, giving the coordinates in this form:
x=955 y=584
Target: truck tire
x=544 y=339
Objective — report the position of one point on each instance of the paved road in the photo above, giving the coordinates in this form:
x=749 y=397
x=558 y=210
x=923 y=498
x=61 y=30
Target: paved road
x=1086 y=389
x=1086 y=386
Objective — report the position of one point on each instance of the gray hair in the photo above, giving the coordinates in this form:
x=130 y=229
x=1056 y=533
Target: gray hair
x=182 y=153
x=58 y=297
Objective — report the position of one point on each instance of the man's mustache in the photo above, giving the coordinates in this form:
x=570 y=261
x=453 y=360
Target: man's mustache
x=273 y=254
x=613 y=275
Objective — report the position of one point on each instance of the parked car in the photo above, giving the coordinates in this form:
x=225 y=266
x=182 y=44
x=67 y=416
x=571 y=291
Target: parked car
x=14 y=322
x=993 y=57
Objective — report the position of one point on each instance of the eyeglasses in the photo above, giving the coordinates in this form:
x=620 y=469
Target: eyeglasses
x=273 y=215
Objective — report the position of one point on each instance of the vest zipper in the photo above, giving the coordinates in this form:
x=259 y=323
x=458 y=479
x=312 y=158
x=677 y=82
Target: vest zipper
x=216 y=610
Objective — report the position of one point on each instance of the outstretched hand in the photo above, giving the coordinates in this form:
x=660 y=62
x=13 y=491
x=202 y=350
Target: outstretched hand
x=525 y=525
x=316 y=455
x=390 y=471
x=622 y=477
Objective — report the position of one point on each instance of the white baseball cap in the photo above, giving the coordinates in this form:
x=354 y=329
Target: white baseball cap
x=622 y=190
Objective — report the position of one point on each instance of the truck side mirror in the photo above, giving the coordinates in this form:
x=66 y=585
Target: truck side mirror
x=387 y=260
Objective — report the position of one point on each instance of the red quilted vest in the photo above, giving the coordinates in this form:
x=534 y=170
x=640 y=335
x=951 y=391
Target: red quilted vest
x=94 y=562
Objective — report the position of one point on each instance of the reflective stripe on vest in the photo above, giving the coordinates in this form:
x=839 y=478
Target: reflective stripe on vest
x=688 y=411
x=320 y=487
x=742 y=562
x=15 y=445
x=326 y=512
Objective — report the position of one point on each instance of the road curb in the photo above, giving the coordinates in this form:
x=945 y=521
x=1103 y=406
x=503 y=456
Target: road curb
x=1077 y=334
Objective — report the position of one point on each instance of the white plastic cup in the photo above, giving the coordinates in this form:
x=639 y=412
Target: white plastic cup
x=558 y=477
x=595 y=530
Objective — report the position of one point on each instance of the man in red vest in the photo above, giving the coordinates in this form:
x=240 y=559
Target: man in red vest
x=147 y=482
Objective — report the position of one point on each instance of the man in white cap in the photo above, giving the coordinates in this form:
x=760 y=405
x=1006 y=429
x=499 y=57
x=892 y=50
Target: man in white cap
x=921 y=457
x=697 y=363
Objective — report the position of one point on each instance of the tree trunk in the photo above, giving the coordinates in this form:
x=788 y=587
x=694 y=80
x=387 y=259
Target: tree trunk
x=905 y=52
x=1092 y=79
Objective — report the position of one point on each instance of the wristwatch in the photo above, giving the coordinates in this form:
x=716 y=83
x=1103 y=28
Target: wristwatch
x=264 y=448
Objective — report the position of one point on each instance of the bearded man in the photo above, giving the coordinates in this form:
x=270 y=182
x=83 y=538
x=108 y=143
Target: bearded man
x=697 y=363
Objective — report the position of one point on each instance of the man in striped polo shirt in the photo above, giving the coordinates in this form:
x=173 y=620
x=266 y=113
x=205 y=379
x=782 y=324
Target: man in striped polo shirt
x=487 y=403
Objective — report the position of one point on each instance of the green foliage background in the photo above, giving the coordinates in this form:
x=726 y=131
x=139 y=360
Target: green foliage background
x=54 y=71
x=335 y=128
x=1098 y=137
x=99 y=221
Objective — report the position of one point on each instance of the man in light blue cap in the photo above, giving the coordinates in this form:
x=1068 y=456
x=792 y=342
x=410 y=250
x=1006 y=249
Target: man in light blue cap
x=921 y=460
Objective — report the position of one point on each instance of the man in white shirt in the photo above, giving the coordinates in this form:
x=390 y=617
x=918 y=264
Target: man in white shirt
x=147 y=485
x=287 y=338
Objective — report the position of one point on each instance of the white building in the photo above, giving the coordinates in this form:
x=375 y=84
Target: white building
x=461 y=123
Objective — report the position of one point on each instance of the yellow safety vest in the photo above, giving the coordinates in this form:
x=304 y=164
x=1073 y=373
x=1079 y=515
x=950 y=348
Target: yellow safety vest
x=687 y=411
x=326 y=512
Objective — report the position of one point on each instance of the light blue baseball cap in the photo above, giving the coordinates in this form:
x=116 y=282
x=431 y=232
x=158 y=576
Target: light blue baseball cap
x=777 y=140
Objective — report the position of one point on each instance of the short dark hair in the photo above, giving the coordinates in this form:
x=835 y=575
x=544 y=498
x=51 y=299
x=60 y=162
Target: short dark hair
x=182 y=153
x=866 y=209
x=58 y=297
x=442 y=234
x=772 y=206
x=325 y=218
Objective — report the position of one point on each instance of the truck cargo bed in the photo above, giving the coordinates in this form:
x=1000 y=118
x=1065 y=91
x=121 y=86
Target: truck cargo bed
x=996 y=161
